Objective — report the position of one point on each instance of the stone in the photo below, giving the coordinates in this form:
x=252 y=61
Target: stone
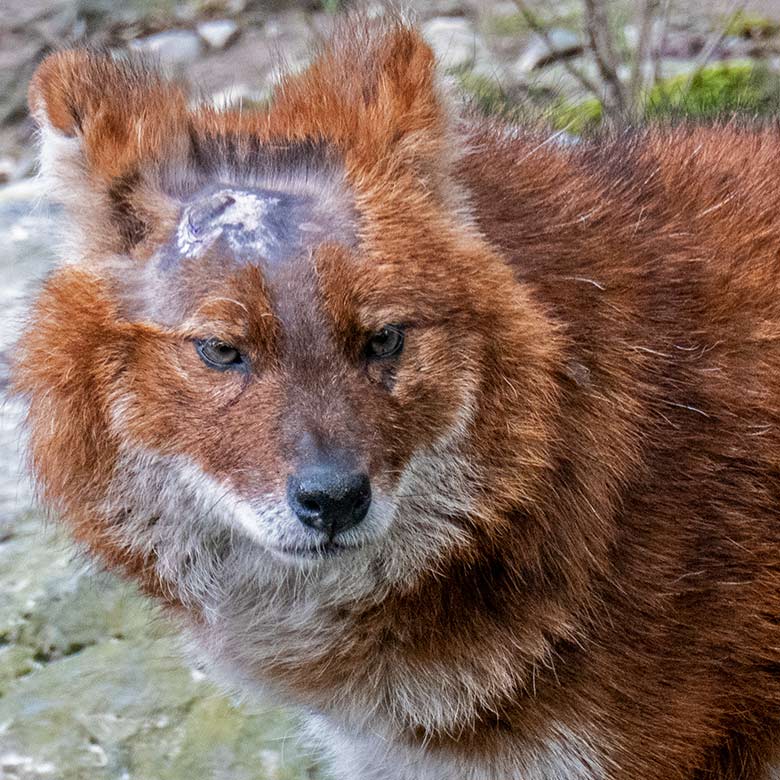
x=562 y=44
x=128 y=708
x=17 y=167
x=28 y=237
x=455 y=42
x=682 y=44
x=447 y=7
x=219 y=33
x=240 y=95
x=176 y=48
x=7 y=168
x=19 y=55
x=736 y=47
x=92 y=681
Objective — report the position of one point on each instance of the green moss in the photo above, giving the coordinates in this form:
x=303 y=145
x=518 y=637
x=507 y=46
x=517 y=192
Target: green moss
x=576 y=118
x=721 y=89
x=486 y=94
x=746 y=25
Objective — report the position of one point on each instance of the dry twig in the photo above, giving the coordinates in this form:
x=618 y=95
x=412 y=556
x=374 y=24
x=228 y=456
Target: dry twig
x=622 y=97
x=646 y=51
x=534 y=25
x=655 y=52
x=602 y=47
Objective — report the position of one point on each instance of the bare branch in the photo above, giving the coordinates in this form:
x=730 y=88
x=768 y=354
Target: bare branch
x=645 y=47
x=600 y=35
x=655 y=52
x=538 y=28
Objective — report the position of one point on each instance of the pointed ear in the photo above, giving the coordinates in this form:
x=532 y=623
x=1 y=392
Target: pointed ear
x=102 y=124
x=374 y=89
x=407 y=100
x=118 y=112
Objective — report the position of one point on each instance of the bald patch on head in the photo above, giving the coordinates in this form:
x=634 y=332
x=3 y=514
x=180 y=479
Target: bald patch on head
x=241 y=207
x=252 y=225
x=255 y=224
x=222 y=229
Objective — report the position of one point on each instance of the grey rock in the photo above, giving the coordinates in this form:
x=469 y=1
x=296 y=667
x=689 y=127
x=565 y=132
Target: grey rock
x=28 y=29
x=92 y=683
x=14 y=168
x=28 y=231
x=19 y=54
x=228 y=7
x=447 y=7
x=540 y=52
x=734 y=46
x=172 y=47
x=249 y=60
x=54 y=16
x=240 y=95
x=455 y=42
x=218 y=33
x=7 y=168
x=681 y=44
x=128 y=708
x=502 y=8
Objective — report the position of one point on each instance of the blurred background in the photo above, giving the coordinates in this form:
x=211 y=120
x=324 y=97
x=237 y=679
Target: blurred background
x=92 y=684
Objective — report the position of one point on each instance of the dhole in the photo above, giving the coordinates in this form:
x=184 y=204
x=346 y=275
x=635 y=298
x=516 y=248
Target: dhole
x=464 y=441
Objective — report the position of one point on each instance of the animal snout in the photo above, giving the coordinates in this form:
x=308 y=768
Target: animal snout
x=329 y=498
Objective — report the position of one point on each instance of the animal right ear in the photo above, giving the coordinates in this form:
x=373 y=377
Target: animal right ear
x=106 y=128
x=101 y=118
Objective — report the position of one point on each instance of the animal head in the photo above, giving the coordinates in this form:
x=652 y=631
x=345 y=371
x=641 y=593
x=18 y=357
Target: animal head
x=278 y=344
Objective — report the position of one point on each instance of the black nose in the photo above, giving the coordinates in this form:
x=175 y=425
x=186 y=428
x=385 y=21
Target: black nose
x=329 y=499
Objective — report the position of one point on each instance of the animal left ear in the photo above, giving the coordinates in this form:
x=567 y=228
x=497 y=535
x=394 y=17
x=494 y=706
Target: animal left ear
x=404 y=103
x=373 y=90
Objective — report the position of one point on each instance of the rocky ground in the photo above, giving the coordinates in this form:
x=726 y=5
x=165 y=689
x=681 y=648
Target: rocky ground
x=231 y=49
x=92 y=685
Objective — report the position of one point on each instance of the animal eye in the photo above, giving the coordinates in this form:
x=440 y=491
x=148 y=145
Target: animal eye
x=217 y=354
x=387 y=342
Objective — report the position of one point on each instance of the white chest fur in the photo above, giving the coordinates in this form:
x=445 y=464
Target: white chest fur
x=563 y=755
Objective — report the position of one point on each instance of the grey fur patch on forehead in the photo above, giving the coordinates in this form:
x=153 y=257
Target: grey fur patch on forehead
x=257 y=202
x=256 y=223
x=241 y=203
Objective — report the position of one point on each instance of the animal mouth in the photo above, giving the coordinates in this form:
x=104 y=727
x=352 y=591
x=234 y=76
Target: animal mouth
x=316 y=551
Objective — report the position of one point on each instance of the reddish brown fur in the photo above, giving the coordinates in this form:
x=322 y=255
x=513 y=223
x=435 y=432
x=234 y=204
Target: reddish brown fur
x=622 y=319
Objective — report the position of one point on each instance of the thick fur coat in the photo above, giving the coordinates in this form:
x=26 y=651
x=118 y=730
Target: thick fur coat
x=570 y=567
